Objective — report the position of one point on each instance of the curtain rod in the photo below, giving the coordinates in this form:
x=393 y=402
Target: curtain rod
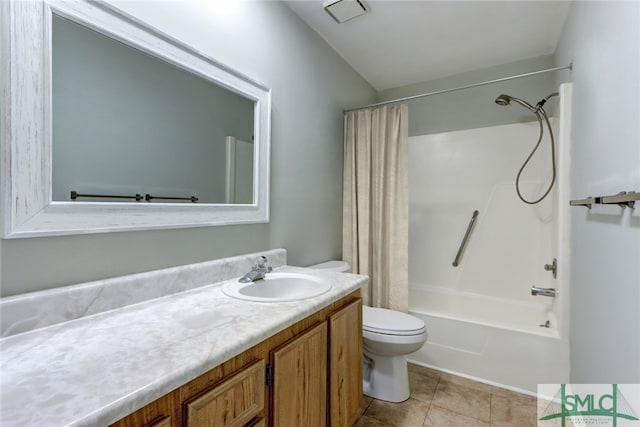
x=437 y=92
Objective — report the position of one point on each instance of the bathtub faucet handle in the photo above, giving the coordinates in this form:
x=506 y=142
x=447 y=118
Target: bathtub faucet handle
x=553 y=268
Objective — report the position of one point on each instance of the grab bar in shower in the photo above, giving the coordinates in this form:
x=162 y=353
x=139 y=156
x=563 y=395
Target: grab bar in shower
x=465 y=239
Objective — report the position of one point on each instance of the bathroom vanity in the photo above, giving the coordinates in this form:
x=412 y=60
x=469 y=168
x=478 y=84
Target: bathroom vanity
x=307 y=375
x=188 y=355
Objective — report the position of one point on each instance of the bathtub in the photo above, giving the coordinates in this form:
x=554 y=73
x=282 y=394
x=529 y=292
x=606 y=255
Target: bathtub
x=482 y=321
x=529 y=318
x=499 y=342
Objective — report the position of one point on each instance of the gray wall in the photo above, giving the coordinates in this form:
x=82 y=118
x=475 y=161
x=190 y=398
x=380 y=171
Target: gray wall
x=125 y=122
x=310 y=86
x=475 y=107
x=602 y=40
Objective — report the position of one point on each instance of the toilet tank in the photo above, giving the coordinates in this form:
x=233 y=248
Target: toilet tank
x=341 y=266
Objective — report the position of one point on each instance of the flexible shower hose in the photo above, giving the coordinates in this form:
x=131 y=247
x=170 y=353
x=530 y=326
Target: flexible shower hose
x=539 y=111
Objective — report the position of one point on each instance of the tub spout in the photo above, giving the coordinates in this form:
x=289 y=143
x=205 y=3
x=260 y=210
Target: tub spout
x=545 y=292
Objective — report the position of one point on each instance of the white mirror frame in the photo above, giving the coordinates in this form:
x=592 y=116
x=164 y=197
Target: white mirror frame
x=25 y=49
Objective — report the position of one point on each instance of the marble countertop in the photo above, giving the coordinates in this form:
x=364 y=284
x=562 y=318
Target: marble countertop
x=95 y=370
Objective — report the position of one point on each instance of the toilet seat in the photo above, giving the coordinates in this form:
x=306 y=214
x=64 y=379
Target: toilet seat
x=341 y=266
x=387 y=338
x=390 y=322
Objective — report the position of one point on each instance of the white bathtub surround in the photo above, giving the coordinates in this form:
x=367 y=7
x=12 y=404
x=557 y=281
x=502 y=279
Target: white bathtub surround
x=95 y=370
x=375 y=205
x=25 y=312
x=482 y=320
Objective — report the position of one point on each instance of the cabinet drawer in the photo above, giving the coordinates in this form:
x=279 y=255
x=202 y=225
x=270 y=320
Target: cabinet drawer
x=233 y=402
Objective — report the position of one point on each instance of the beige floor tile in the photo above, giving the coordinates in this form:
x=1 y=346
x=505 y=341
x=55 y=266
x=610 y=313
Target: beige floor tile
x=545 y=406
x=558 y=423
x=366 y=401
x=422 y=385
x=440 y=417
x=365 y=421
x=423 y=370
x=410 y=413
x=463 y=400
x=512 y=395
x=512 y=413
x=445 y=400
x=544 y=409
x=466 y=382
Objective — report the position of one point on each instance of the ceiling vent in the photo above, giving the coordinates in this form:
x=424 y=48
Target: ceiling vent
x=344 y=10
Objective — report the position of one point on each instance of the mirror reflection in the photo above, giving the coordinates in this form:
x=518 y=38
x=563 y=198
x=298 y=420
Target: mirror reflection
x=126 y=123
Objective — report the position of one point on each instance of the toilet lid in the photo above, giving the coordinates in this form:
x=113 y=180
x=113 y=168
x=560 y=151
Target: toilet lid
x=390 y=322
x=342 y=266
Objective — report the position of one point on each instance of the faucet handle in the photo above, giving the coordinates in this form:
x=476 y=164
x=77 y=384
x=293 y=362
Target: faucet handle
x=261 y=264
x=261 y=261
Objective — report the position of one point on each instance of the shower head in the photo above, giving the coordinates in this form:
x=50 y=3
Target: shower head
x=503 y=100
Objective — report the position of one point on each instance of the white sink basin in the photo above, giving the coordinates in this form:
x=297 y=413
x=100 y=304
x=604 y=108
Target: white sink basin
x=278 y=287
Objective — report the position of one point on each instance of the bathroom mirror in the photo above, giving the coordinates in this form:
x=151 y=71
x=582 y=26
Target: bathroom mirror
x=98 y=104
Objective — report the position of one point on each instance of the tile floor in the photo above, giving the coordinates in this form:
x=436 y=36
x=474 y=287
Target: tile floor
x=444 y=400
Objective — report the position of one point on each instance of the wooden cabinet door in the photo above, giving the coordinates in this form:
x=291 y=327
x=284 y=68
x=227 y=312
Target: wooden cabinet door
x=233 y=402
x=164 y=422
x=299 y=389
x=345 y=365
x=258 y=422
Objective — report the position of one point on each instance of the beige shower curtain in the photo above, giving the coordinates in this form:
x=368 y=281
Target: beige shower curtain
x=375 y=197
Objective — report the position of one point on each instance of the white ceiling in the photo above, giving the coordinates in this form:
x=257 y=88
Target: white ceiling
x=403 y=42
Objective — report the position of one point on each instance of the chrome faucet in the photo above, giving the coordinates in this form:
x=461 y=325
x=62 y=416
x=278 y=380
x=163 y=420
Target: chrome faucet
x=545 y=292
x=257 y=271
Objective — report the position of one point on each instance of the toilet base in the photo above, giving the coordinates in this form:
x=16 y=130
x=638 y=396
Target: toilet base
x=385 y=377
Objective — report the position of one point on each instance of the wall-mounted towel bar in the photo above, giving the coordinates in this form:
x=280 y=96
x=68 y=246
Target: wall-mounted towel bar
x=75 y=195
x=625 y=199
x=148 y=197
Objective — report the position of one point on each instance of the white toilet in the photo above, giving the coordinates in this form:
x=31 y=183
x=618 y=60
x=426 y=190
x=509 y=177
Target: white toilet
x=388 y=336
